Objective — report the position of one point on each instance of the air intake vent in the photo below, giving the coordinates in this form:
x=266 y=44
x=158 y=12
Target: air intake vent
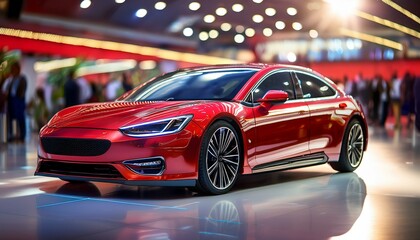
x=76 y=169
x=75 y=146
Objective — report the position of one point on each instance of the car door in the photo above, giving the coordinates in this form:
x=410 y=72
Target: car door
x=325 y=127
x=282 y=128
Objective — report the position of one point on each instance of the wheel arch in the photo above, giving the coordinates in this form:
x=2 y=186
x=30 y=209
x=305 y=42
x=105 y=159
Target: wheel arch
x=238 y=130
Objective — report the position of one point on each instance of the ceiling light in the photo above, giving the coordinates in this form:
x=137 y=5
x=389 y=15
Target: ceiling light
x=108 y=67
x=141 y=13
x=54 y=64
x=270 y=12
x=297 y=26
x=239 y=38
x=291 y=11
x=119 y=1
x=160 y=5
x=239 y=29
x=237 y=7
x=213 y=34
x=343 y=8
x=188 y=32
x=203 y=36
x=221 y=11
x=225 y=27
x=257 y=1
x=267 y=32
x=280 y=25
x=257 y=18
x=194 y=6
x=85 y=4
x=249 y=32
x=291 y=57
x=313 y=33
x=147 y=65
x=209 y=18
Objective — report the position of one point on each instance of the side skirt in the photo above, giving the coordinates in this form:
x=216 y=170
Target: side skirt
x=296 y=162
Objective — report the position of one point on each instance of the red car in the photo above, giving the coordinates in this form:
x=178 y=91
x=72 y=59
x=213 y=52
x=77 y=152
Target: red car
x=203 y=127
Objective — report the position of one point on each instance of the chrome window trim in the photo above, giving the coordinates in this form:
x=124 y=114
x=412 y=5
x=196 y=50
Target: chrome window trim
x=290 y=71
x=264 y=78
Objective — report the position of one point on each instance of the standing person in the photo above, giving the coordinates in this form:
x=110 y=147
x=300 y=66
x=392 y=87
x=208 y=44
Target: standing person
x=71 y=91
x=376 y=97
x=350 y=87
x=362 y=92
x=395 y=95
x=417 y=102
x=85 y=90
x=41 y=113
x=384 y=99
x=407 y=96
x=126 y=83
x=114 y=87
x=15 y=89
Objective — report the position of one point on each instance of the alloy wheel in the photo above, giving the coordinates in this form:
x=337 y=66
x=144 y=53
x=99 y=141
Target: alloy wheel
x=355 y=145
x=222 y=158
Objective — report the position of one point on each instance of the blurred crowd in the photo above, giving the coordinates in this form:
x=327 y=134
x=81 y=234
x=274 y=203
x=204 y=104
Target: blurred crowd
x=74 y=91
x=50 y=98
x=380 y=98
x=384 y=98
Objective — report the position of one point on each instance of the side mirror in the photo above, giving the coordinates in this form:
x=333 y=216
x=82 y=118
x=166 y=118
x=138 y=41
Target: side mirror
x=273 y=96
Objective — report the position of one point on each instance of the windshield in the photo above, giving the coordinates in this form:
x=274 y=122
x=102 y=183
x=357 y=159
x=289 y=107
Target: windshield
x=214 y=84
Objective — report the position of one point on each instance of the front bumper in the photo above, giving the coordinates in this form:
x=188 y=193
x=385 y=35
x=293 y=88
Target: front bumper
x=179 y=151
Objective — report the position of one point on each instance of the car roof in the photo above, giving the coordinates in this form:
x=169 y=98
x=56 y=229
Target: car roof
x=257 y=66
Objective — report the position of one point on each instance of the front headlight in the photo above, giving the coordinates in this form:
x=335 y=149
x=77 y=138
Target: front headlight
x=156 y=128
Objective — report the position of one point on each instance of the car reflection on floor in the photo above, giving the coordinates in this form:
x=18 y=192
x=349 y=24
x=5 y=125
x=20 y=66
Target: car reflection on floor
x=314 y=206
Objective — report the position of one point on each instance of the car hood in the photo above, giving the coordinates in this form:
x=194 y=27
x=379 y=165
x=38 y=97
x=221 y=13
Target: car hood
x=113 y=115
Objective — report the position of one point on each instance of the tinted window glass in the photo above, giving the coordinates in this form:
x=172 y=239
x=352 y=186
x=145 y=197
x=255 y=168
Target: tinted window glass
x=313 y=87
x=219 y=84
x=277 y=81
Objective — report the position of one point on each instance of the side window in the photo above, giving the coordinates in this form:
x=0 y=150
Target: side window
x=313 y=87
x=277 y=81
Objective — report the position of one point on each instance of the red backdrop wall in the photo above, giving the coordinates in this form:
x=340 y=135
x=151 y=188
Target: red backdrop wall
x=336 y=70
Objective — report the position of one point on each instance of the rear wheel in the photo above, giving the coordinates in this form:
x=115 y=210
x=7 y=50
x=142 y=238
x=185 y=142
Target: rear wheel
x=220 y=159
x=352 y=148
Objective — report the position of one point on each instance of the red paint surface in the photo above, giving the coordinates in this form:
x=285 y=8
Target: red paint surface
x=272 y=133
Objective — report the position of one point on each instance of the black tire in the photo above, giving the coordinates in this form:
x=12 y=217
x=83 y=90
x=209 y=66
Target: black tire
x=351 y=154
x=220 y=159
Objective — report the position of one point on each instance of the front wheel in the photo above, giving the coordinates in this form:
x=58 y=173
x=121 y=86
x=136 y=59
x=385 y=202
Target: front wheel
x=352 y=148
x=220 y=159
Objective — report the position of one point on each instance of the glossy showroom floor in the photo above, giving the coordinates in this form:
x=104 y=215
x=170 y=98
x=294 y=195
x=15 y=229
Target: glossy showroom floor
x=381 y=200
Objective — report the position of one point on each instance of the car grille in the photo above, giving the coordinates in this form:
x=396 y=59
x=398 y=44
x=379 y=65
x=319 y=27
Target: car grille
x=75 y=146
x=76 y=169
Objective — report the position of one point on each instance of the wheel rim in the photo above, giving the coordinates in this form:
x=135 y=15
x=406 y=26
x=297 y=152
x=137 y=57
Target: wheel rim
x=355 y=145
x=222 y=160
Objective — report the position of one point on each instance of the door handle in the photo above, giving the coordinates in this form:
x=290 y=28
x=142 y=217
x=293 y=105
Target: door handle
x=342 y=105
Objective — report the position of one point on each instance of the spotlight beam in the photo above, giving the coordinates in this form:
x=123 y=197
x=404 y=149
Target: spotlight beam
x=388 y=23
x=372 y=38
x=402 y=10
